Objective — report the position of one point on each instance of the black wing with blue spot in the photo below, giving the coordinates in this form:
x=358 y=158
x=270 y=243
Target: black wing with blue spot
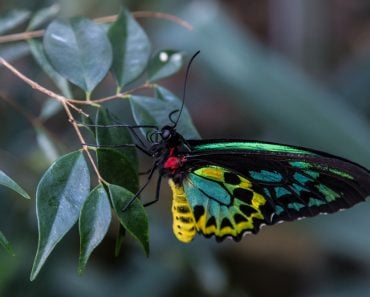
x=296 y=182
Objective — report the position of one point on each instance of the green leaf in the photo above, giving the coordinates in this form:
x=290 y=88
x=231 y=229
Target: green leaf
x=94 y=222
x=134 y=218
x=164 y=64
x=11 y=19
x=38 y=53
x=50 y=108
x=115 y=168
x=79 y=50
x=115 y=136
x=155 y=111
x=60 y=195
x=11 y=184
x=6 y=244
x=46 y=145
x=131 y=49
x=119 y=240
x=42 y=16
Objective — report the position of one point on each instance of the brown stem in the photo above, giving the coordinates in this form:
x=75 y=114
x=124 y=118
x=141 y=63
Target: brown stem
x=67 y=105
x=106 y=19
x=122 y=95
x=85 y=147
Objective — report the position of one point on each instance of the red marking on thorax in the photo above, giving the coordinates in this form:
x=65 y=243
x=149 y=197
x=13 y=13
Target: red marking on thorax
x=173 y=162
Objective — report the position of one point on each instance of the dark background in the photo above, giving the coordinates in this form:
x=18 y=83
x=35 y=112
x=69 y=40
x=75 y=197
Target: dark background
x=287 y=71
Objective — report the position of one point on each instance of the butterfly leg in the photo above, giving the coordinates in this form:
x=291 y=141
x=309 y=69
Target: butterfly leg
x=140 y=148
x=141 y=189
x=157 y=191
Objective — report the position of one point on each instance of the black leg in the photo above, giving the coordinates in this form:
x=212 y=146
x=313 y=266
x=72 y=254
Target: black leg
x=157 y=192
x=140 y=148
x=142 y=188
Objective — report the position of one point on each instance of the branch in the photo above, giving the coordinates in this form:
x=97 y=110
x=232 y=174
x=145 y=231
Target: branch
x=41 y=89
x=106 y=19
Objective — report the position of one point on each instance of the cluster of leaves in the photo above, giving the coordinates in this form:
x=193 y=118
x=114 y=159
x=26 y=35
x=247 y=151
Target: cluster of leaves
x=79 y=51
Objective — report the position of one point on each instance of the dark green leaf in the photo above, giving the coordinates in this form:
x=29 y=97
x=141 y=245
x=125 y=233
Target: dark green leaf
x=134 y=218
x=6 y=244
x=119 y=240
x=115 y=168
x=60 y=195
x=79 y=50
x=39 y=55
x=11 y=19
x=115 y=136
x=11 y=184
x=42 y=16
x=164 y=64
x=131 y=49
x=94 y=222
x=155 y=111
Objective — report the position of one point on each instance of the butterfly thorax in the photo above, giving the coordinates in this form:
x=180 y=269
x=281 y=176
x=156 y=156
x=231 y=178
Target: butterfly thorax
x=170 y=154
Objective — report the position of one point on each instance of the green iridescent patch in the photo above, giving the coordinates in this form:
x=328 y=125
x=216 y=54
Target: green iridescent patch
x=254 y=146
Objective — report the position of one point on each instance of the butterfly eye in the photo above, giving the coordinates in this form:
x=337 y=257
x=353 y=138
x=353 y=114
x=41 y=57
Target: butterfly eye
x=166 y=132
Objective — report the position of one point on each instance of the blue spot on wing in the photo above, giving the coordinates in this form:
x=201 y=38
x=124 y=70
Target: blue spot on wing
x=301 y=178
x=266 y=176
x=280 y=191
x=210 y=188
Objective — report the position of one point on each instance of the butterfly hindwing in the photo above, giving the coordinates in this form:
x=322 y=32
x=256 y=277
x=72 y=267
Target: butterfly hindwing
x=224 y=204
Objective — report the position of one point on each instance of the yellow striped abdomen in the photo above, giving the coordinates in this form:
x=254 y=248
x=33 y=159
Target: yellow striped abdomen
x=183 y=218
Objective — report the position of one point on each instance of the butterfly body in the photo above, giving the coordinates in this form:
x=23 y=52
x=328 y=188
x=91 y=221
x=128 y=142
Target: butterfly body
x=228 y=188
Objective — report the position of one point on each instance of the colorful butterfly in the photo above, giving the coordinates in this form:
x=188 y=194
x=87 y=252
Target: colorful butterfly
x=228 y=188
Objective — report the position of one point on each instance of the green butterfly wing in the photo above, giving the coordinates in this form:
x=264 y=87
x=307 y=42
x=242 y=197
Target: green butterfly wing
x=231 y=189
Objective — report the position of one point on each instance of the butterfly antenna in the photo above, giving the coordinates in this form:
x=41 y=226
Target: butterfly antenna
x=185 y=87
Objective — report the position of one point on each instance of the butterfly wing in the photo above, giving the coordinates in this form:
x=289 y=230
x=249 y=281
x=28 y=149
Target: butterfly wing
x=234 y=188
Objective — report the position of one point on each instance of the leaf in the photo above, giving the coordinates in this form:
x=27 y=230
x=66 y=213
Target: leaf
x=42 y=16
x=94 y=222
x=164 y=64
x=134 y=218
x=6 y=244
x=12 y=18
x=11 y=184
x=50 y=108
x=79 y=50
x=115 y=136
x=131 y=49
x=185 y=125
x=119 y=240
x=46 y=145
x=60 y=195
x=39 y=55
x=116 y=169
x=155 y=111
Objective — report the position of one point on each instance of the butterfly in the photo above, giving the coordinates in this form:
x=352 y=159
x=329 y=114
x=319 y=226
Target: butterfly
x=228 y=188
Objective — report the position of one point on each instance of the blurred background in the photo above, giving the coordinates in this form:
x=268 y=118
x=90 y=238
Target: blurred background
x=296 y=72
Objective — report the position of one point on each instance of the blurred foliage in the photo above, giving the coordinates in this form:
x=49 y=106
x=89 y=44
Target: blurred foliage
x=268 y=70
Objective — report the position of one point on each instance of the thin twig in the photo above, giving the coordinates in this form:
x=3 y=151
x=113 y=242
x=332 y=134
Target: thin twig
x=107 y=19
x=85 y=147
x=67 y=105
x=122 y=95
x=41 y=89
x=34 y=121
